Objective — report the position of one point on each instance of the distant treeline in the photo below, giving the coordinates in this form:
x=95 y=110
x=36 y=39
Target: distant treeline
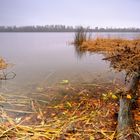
x=62 y=28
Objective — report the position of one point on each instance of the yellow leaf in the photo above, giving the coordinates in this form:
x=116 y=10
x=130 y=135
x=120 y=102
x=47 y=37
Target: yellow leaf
x=128 y=96
x=65 y=82
x=110 y=93
x=69 y=104
x=92 y=138
x=114 y=97
x=104 y=95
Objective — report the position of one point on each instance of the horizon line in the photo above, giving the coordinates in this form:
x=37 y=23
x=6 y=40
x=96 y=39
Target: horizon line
x=74 y=26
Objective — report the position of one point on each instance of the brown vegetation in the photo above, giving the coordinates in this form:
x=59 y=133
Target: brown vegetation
x=5 y=75
x=3 y=64
x=72 y=113
x=124 y=55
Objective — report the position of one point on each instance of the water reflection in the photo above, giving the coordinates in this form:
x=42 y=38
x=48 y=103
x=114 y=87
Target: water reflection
x=79 y=51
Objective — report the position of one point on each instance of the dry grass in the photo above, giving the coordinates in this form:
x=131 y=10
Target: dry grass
x=78 y=114
x=107 y=44
x=123 y=54
x=88 y=119
x=3 y=64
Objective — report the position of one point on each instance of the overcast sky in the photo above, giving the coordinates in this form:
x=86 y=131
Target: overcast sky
x=102 y=13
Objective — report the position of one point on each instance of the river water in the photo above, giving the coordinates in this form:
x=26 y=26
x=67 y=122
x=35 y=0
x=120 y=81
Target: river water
x=45 y=59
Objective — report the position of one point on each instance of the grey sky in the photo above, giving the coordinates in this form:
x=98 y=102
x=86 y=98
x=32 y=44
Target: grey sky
x=102 y=13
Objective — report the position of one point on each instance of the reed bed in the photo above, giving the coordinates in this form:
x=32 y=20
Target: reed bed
x=108 y=44
x=81 y=35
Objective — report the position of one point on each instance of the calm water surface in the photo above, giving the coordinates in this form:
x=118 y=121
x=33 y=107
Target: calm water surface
x=48 y=58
